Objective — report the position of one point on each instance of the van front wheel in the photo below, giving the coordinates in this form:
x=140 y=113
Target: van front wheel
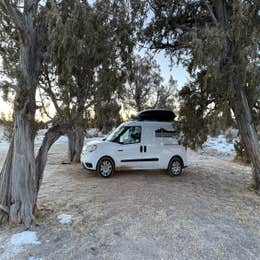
x=175 y=167
x=105 y=167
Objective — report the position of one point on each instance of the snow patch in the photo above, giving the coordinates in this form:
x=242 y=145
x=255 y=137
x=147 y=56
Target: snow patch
x=219 y=145
x=16 y=243
x=65 y=219
x=61 y=140
x=34 y=258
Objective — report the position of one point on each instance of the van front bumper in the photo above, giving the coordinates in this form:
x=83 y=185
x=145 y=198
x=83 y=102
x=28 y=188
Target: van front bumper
x=88 y=160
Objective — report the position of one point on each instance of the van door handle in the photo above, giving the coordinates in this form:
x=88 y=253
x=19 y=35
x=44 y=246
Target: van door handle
x=120 y=150
x=145 y=148
x=141 y=148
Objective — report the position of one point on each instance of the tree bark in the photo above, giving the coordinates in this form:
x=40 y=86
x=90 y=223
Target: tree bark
x=51 y=136
x=18 y=180
x=76 y=143
x=23 y=191
x=248 y=132
x=5 y=185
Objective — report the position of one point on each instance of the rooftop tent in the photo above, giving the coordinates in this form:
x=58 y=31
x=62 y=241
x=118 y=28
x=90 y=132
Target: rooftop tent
x=164 y=115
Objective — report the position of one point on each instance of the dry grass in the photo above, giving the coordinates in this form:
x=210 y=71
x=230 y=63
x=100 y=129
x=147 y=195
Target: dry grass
x=207 y=213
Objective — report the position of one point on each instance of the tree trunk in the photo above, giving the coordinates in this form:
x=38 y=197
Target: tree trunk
x=5 y=185
x=18 y=180
x=23 y=193
x=248 y=131
x=76 y=143
x=51 y=136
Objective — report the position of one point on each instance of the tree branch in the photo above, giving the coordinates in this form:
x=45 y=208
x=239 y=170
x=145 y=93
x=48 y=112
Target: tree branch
x=43 y=106
x=213 y=17
x=49 y=91
x=16 y=16
x=6 y=84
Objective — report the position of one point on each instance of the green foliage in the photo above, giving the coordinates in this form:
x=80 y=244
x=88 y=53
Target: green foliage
x=90 y=49
x=143 y=81
x=9 y=55
x=8 y=125
x=193 y=103
x=107 y=116
x=166 y=95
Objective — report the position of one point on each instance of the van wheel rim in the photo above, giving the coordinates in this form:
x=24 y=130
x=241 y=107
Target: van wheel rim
x=106 y=168
x=176 y=168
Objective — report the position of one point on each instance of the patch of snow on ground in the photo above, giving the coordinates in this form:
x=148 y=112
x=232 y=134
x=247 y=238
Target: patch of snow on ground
x=61 y=140
x=65 y=219
x=16 y=243
x=220 y=145
x=34 y=258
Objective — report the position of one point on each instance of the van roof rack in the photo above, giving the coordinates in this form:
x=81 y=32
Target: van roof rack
x=165 y=115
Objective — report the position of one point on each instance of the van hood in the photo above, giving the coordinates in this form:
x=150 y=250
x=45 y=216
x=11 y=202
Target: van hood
x=95 y=141
x=92 y=145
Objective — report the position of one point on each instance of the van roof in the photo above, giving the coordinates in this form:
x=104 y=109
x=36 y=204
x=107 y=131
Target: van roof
x=148 y=123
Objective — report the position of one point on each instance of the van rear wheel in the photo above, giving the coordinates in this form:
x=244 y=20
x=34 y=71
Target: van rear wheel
x=105 y=167
x=175 y=167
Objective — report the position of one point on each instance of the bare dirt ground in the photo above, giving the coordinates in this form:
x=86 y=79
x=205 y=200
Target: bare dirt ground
x=207 y=213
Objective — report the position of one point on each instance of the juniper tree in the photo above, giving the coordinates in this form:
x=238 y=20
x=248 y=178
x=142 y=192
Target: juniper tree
x=221 y=38
x=22 y=50
x=107 y=115
x=90 y=48
x=143 y=80
x=110 y=86
x=22 y=27
x=165 y=95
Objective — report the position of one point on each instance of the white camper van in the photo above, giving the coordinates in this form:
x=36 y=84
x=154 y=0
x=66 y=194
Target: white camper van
x=148 y=142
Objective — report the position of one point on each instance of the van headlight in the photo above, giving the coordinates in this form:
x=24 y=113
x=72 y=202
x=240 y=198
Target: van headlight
x=90 y=148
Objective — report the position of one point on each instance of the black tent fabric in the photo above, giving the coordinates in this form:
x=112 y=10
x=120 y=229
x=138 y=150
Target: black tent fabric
x=164 y=115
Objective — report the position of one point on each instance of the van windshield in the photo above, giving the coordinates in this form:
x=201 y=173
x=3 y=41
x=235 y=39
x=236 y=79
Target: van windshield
x=126 y=135
x=115 y=134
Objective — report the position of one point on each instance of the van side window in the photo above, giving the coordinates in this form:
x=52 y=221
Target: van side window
x=132 y=135
x=161 y=132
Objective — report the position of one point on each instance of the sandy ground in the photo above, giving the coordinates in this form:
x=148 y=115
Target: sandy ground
x=207 y=213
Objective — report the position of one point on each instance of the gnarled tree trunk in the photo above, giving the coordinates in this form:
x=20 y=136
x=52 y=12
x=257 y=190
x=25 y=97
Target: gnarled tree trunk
x=248 y=132
x=23 y=179
x=18 y=182
x=51 y=136
x=76 y=143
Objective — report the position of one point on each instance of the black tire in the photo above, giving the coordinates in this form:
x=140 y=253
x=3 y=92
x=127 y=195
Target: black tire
x=175 y=167
x=105 y=167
